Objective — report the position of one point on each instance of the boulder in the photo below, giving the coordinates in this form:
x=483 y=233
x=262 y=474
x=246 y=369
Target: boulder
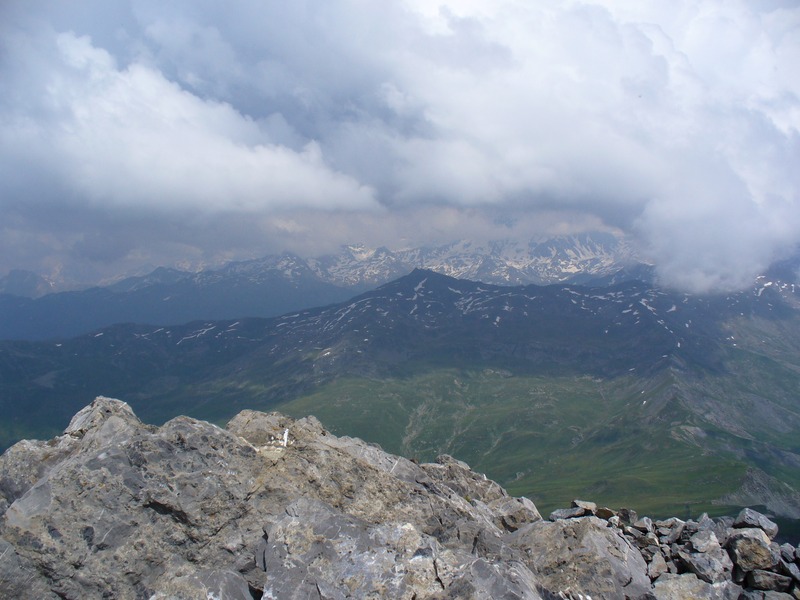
x=705 y=541
x=767 y=580
x=589 y=507
x=116 y=508
x=645 y=525
x=711 y=567
x=657 y=567
x=603 y=512
x=688 y=586
x=790 y=569
x=750 y=549
x=609 y=566
x=749 y=518
x=788 y=552
x=567 y=513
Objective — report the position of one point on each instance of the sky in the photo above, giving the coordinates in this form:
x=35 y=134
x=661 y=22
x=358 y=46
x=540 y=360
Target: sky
x=135 y=134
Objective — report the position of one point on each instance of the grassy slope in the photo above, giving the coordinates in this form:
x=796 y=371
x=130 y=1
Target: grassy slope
x=551 y=439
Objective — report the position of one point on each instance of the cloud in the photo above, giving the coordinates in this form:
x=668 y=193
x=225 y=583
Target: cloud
x=304 y=125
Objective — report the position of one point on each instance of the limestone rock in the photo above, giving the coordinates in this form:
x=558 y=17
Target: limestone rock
x=684 y=587
x=609 y=565
x=751 y=518
x=750 y=549
x=273 y=507
x=657 y=567
x=767 y=580
x=711 y=567
x=567 y=513
x=589 y=507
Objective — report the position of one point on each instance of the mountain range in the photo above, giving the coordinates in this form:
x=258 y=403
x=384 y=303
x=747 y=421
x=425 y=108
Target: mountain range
x=275 y=285
x=626 y=393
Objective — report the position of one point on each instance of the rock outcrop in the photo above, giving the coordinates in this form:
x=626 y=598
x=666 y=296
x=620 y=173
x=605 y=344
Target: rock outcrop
x=272 y=507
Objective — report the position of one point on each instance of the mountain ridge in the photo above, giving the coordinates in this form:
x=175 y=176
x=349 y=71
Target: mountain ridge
x=277 y=284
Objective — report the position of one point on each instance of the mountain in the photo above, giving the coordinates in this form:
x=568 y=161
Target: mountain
x=610 y=389
x=27 y=284
x=166 y=296
x=575 y=258
x=272 y=507
x=275 y=285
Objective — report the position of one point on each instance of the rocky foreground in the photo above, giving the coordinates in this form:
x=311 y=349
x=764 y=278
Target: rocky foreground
x=276 y=508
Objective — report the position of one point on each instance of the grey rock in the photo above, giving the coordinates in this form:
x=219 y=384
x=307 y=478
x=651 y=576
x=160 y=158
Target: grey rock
x=688 y=586
x=767 y=580
x=790 y=569
x=585 y=556
x=705 y=541
x=628 y=515
x=567 y=513
x=275 y=507
x=711 y=567
x=645 y=524
x=512 y=513
x=603 y=512
x=205 y=583
x=589 y=507
x=675 y=532
x=116 y=508
x=788 y=552
x=18 y=576
x=657 y=567
x=751 y=518
x=750 y=549
x=762 y=595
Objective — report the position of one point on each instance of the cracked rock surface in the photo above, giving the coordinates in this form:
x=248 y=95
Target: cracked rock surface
x=272 y=507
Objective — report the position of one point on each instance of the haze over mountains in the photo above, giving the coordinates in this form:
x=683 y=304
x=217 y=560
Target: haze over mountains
x=274 y=285
x=623 y=392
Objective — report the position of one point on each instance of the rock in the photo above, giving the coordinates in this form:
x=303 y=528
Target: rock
x=588 y=507
x=657 y=567
x=790 y=569
x=750 y=549
x=751 y=518
x=711 y=567
x=512 y=513
x=604 y=512
x=767 y=580
x=676 y=533
x=18 y=576
x=116 y=508
x=705 y=541
x=645 y=525
x=315 y=548
x=688 y=586
x=628 y=515
x=608 y=567
x=205 y=583
x=762 y=595
x=275 y=507
x=567 y=513
x=788 y=552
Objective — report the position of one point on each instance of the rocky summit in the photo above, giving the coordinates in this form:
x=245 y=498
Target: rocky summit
x=276 y=508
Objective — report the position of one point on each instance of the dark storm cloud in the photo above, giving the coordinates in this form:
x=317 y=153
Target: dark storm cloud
x=193 y=132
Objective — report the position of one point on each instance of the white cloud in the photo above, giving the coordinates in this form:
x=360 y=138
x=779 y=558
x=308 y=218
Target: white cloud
x=678 y=123
x=129 y=137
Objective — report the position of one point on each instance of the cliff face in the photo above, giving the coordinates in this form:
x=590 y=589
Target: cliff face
x=276 y=508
